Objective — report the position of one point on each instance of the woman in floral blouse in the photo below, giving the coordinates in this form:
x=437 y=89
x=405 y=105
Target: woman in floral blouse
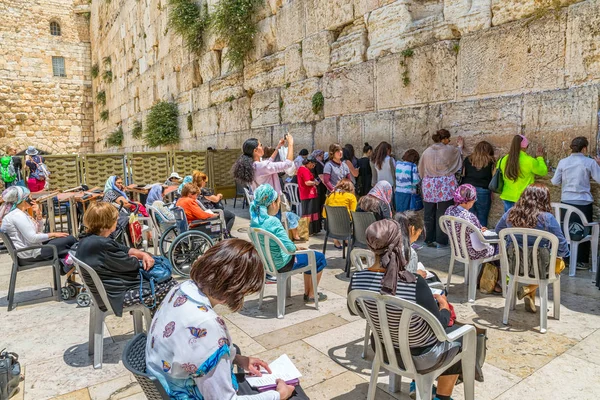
x=437 y=167
x=189 y=348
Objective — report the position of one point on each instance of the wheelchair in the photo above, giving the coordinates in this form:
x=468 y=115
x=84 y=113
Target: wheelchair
x=183 y=243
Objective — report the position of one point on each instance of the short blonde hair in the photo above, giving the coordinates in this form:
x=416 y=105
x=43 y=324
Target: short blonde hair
x=189 y=188
x=99 y=216
x=345 y=185
x=198 y=177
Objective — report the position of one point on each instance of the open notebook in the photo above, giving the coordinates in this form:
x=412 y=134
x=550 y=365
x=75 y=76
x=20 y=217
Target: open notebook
x=282 y=368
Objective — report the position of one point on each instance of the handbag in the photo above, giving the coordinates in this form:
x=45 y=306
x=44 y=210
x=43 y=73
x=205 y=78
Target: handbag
x=160 y=272
x=135 y=230
x=436 y=357
x=10 y=374
x=303 y=232
x=497 y=183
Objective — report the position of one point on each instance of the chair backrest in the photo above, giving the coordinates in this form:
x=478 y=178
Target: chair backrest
x=84 y=271
x=458 y=230
x=360 y=223
x=338 y=222
x=239 y=189
x=568 y=212
x=9 y=246
x=524 y=253
x=155 y=214
x=262 y=239
x=291 y=189
x=249 y=195
x=180 y=219
x=362 y=259
x=376 y=307
x=134 y=359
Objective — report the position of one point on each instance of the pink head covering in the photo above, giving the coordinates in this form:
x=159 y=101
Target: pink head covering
x=383 y=191
x=464 y=194
x=524 y=142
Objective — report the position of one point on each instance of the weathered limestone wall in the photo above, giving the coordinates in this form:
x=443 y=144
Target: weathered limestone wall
x=37 y=108
x=484 y=69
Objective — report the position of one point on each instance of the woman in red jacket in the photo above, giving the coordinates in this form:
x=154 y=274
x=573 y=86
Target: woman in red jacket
x=307 y=188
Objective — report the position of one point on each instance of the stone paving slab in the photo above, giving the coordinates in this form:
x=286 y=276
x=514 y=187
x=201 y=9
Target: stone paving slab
x=325 y=344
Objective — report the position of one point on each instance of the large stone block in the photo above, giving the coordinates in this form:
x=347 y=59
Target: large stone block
x=316 y=53
x=265 y=108
x=206 y=121
x=583 y=35
x=226 y=88
x=297 y=101
x=331 y=14
x=294 y=68
x=431 y=71
x=265 y=40
x=210 y=65
x=468 y=15
x=361 y=7
x=200 y=97
x=377 y=128
x=413 y=128
x=349 y=90
x=350 y=130
x=326 y=133
x=266 y=73
x=290 y=24
x=303 y=135
x=511 y=10
x=512 y=59
x=351 y=45
x=234 y=115
x=554 y=118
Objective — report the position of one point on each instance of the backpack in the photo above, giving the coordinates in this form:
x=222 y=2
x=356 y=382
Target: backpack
x=10 y=374
x=7 y=169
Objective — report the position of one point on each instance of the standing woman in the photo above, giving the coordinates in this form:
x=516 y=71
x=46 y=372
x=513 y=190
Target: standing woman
x=335 y=169
x=519 y=170
x=437 y=167
x=365 y=176
x=574 y=174
x=478 y=171
x=250 y=170
x=307 y=188
x=318 y=170
x=37 y=178
x=351 y=162
x=407 y=180
x=383 y=166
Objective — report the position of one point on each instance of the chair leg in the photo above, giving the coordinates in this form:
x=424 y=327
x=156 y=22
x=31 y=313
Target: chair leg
x=57 y=280
x=509 y=299
x=344 y=247
x=503 y=273
x=595 y=234
x=450 y=268
x=468 y=364
x=138 y=321
x=281 y=287
x=473 y=267
x=556 y=289
x=373 y=382
x=98 y=338
x=313 y=277
x=147 y=318
x=325 y=243
x=424 y=385
x=349 y=251
x=260 y=297
x=12 y=287
x=543 y=306
x=288 y=287
x=92 y=329
x=573 y=259
x=366 y=343
x=395 y=382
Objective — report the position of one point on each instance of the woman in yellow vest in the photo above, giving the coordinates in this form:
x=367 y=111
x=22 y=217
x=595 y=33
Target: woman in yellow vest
x=519 y=170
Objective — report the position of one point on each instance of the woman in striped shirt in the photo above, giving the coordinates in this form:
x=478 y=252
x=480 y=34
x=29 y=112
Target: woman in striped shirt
x=390 y=243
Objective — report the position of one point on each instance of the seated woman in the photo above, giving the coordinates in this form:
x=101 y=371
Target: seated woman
x=25 y=231
x=189 y=203
x=186 y=180
x=342 y=196
x=533 y=210
x=262 y=214
x=117 y=265
x=173 y=180
x=378 y=201
x=389 y=276
x=155 y=199
x=189 y=348
x=211 y=200
x=114 y=193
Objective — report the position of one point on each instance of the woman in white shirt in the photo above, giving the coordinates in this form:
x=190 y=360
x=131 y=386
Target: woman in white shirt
x=383 y=166
x=573 y=174
x=25 y=231
x=189 y=348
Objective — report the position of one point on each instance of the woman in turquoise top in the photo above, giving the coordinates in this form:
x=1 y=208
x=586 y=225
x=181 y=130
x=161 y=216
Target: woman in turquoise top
x=262 y=213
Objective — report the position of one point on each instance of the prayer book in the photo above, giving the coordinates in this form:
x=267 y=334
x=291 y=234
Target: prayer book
x=282 y=368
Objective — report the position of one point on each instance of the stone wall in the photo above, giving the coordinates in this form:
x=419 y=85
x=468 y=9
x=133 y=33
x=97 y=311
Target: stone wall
x=484 y=69
x=37 y=108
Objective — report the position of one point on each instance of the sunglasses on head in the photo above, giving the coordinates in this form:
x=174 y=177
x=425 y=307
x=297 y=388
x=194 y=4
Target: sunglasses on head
x=29 y=200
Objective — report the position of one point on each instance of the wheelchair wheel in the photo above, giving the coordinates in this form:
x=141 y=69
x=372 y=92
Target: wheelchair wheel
x=64 y=293
x=72 y=290
x=186 y=248
x=83 y=300
x=166 y=240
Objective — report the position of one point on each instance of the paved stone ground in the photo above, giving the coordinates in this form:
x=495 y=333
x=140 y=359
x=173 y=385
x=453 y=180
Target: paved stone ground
x=51 y=339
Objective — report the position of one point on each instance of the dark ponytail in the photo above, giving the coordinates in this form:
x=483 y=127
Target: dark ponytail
x=243 y=169
x=367 y=148
x=440 y=135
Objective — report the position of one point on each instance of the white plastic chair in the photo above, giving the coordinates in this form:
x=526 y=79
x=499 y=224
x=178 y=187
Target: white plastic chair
x=521 y=246
x=294 y=195
x=284 y=283
x=459 y=252
x=97 y=316
x=379 y=323
x=362 y=259
x=574 y=244
x=249 y=196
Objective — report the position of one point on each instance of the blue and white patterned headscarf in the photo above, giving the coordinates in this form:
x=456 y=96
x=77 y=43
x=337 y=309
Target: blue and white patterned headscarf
x=186 y=180
x=264 y=196
x=13 y=196
x=154 y=194
x=110 y=185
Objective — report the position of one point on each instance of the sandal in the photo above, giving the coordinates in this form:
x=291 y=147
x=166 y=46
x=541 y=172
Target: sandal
x=322 y=297
x=338 y=247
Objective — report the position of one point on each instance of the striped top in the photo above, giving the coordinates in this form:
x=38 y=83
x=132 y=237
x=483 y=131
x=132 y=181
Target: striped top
x=420 y=335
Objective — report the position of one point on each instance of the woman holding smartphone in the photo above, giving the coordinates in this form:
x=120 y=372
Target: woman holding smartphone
x=307 y=188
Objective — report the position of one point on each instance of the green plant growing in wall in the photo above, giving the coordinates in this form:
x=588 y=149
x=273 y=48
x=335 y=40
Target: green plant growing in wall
x=406 y=54
x=104 y=115
x=107 y=76
x=190 y=122
x=318 y=101
x=107 y=61
x=101 y=97
x=189 y=20
x=137 y=131
x=162 y=126
x=115 y=139
x=95 y=71
x=229 y=99
x=234 y=21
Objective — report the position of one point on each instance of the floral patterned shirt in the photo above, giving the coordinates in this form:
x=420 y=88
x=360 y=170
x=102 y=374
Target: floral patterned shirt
x=438 y=188
x=459 y=212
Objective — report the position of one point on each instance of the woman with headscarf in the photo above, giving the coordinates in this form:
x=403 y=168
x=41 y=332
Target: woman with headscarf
x=114 y=193
x=26 y=231
x=186 y=180
x=437 y=168
x=378 y=201
x=389 y=276
x=250 y=170
x=262 y=215
x=319 y=155
x=155 y=199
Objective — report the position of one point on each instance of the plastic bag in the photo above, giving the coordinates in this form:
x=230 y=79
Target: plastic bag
x=489 y=277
